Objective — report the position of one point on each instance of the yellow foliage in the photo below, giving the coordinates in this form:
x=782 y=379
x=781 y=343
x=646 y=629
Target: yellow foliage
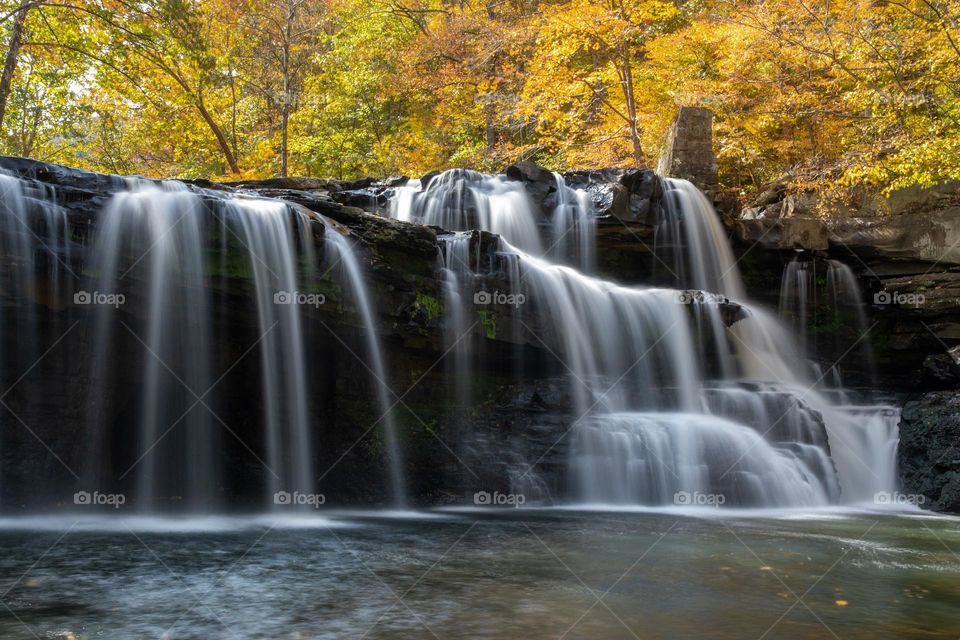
x=847 y=92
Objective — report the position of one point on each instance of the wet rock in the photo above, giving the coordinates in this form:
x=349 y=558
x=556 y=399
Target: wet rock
x=527 y=171
x=929 y=452
x=943 y=369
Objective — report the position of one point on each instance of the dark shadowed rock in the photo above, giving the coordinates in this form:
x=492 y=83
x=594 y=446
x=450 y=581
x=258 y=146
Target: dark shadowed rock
x=929 y=453
x=943 y=369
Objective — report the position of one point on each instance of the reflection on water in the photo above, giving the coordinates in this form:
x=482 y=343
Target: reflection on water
x=489 y=574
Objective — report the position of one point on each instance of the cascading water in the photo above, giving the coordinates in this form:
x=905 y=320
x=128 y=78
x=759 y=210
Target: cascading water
x=343 y=256
x=833 y=299
x=263 y=227
x=674 y=391
x=168 y=268
x=454 y=271
x=695 y=242
x=844 y=295
x=153 y=237
x=461 y=200
x=573 y=225
x=796 y=289
x=36 y=267
x=156 y=238
x=658 y=414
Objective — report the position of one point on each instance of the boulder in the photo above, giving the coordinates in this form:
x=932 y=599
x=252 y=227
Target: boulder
x=943 y=369
x=929 y=452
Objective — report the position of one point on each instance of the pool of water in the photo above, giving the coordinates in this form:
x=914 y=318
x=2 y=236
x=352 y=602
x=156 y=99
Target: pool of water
x=483 y=574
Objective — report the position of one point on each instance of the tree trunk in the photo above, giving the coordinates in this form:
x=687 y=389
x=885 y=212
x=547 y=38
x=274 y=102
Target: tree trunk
x=632 y=112
x=287 y=92
x=13 y=53
x=222 y=141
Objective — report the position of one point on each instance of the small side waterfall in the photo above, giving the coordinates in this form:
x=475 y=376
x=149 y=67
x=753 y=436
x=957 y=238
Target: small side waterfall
x=462 y=200
x=831 y=300
x=573 y=226
x=454 y=265
x=344 y=257
x=844 y=293
x=796 y=291
x=37 y=272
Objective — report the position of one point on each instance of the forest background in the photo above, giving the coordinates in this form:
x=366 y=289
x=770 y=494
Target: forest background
x=841 y=93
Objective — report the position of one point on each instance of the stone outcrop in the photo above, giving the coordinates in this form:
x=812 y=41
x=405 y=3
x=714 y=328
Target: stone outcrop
x=929 y=452
x=912 y=224
x=688 y=152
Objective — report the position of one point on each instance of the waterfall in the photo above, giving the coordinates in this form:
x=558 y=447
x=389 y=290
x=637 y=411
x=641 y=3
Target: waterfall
x=151 y=238
x=675 y=393
x=844 y=293
x=662 y=458
x=343 y=256
x=696 y=243
x=151 y=243
x=833 y=300
x=459 y=200
x=454 y=265
x=168 y=229
x=658 y=413
x=37 y=274
x=573 y=225
x=796 y=289
x=263 y=227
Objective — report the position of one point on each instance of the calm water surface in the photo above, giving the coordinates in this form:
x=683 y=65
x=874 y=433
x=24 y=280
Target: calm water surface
x=484 y=574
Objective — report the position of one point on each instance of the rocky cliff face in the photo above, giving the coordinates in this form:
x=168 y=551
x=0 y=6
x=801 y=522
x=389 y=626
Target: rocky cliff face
x=930 y=449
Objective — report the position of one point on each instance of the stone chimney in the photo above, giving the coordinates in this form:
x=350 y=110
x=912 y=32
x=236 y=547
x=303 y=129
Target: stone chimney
x=688 y=152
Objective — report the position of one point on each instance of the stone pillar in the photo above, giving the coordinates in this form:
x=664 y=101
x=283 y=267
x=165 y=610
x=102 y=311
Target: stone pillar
x=688 y=152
